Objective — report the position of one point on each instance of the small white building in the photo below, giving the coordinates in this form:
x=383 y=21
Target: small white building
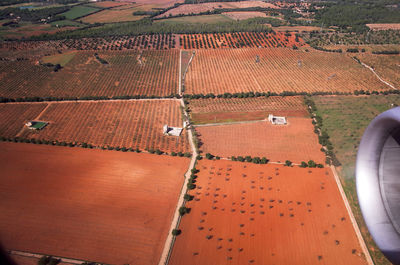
x=276 y=120
x=174 y=131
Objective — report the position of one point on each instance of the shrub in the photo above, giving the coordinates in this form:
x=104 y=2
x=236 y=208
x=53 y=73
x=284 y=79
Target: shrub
x=188 y=197
x=191 y=186
x=320 y=166
x=209 y=156
x=173 y=154
x=303 y=164
x=256 y=160
x=288 y=163
x=311 y=163
x=183 y=210
x=248 y=158
x=176 y=232
x=159 y=152
x=233 y=158
x=187 y=154
x=240 y=158
x=217 y=158
x=180 y=154
x=194 y=170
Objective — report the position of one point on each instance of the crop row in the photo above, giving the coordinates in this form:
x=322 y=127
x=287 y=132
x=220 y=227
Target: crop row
x=240 y=40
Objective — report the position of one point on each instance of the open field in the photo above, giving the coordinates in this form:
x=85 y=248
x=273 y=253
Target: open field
x=26 y=30
x=204 y=7
x=296 y=28
x=61 y=59
x=130 y=124
x=208 y=19
x=345 y=119
x=387 y=26
x=244 y=15
x=244 y=109
x=295 y=142
x=126 y=73
x=265 y=214
x=79 y=11
x=104 y=206
x=107 y=4
x=386 y=66
x=239 y=40
x=117 y=14
x=278 y=70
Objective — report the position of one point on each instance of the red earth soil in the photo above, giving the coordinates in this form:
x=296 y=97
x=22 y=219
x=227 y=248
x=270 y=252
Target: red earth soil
x=265 y=214
x=130 y=124
x=295 y=142
x=242 y=109
x=276 y=70
x=104 y=206
x=239 y=40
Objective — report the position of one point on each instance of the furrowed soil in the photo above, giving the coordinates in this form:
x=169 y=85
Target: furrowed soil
x=245 y=109
x=295 y=142
x=104 y=206
x=276 y=70
x=129 y=124
x=265 y=214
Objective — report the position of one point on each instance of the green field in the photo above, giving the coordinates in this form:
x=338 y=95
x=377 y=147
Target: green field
x=345 y=119
x=66 y=23
x=61 y=59
x=206 y=19
x=79 y=11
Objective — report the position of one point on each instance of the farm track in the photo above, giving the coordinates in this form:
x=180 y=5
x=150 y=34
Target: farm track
x=353 y=220
x=38 y=256
x=375 y=73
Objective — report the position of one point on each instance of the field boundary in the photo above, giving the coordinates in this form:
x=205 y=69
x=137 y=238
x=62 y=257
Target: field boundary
x=169 y=242
x=38 y=256
x=353 y=220
x=380 y=79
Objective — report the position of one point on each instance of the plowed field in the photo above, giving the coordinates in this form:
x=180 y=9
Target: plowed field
x=276 y=70
x=130 y=124
x=245 y=109
x=104 y=206
x=265 y=214
x=295 y=142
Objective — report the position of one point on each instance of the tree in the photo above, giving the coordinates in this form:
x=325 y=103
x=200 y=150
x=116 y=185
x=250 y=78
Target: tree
x=303 y=164
x=311 y=163
x=288 y=163
x=176 y=232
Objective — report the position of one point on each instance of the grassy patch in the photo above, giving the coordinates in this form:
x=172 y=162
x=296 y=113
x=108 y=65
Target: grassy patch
x=206 y=19
x=79 y=11
x=66 y=23
x=345 y=118
x=61 y=59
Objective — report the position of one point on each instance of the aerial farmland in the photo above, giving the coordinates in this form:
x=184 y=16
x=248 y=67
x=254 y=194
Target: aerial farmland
x=175 y=132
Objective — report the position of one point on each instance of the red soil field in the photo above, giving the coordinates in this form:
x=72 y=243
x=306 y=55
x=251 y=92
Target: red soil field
x=387 y=26
x=239 y=40
x=127 y=73
x=204 y=7
x=14 y=116
x=265 y=214
x=241 y=109
x=244 y=15
x=295 y=142
x=130 y=124
x=103 y=206
x=278 y=70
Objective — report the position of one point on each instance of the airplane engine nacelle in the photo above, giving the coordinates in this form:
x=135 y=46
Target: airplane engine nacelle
x=378 y=181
